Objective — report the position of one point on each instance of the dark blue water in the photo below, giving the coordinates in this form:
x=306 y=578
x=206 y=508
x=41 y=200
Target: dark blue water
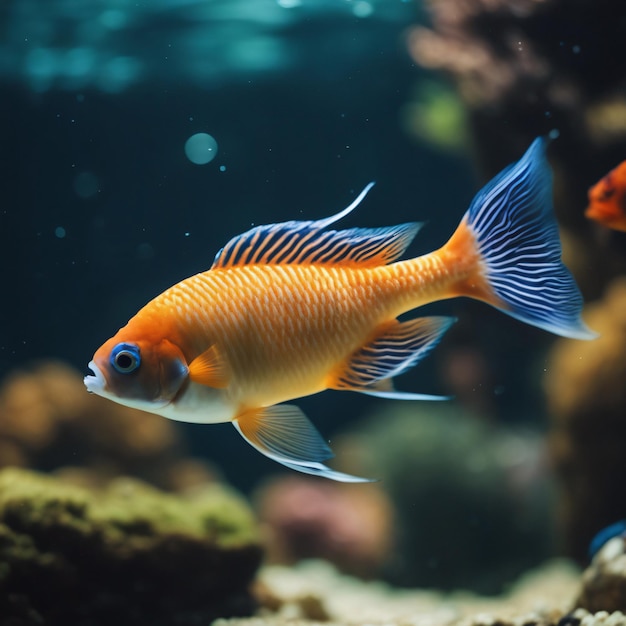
x=103 y=208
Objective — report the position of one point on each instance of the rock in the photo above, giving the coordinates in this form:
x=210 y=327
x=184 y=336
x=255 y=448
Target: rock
x=128 y=553
x=581 y=617
x=604 y=581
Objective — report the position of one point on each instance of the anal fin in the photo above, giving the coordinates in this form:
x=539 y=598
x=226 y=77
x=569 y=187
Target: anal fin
x=283 y=433
x=396 y=347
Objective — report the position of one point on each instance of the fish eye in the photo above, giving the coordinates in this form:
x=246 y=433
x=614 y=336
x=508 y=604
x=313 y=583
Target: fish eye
x=125 y=358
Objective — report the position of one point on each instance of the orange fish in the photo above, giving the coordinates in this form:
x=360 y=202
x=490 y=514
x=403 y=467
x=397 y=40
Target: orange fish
x=291 y=309
x=607 y=199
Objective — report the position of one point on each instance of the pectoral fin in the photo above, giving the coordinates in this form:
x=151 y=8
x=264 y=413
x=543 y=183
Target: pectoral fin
x=283 y=433
x=209 y=369
x=396 y=347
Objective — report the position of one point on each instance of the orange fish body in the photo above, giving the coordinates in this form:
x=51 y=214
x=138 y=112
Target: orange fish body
x=607 y=199
x=243 y=314
x=288 y=310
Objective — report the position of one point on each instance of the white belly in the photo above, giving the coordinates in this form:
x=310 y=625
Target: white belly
x=199 y=404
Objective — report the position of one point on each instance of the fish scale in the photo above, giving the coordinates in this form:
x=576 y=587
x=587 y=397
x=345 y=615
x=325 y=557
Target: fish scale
x=324 y=328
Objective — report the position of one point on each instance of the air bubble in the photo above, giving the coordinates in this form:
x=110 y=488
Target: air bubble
x=201 y=148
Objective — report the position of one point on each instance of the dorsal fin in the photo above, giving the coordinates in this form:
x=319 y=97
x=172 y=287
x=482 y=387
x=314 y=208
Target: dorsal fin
x=306 y=243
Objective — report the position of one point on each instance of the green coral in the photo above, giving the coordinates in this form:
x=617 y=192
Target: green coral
x=130 y=552
x=472 y=499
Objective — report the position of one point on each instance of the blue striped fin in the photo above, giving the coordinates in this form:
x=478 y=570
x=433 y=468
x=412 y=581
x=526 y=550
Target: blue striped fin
x=513 y=222
x=307 y=243
x=398 y=347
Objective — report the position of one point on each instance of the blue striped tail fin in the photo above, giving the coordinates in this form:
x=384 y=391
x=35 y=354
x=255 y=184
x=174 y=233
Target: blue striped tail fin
x=511 y=234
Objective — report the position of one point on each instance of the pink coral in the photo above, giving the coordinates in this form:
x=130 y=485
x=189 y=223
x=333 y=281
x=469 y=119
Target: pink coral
x=345 y=524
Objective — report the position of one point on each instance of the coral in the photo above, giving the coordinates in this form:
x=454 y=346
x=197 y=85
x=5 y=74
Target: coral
x=587 y=401
x=128 y=553
x=472 y=502
x=47 y=418
x=348 y=525
x=536 y=62
x=487 y=66
x=604 y=581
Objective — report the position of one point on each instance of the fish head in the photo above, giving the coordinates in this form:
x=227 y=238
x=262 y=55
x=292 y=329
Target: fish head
x=136 y=372
x=605 y=189
x=607 y=199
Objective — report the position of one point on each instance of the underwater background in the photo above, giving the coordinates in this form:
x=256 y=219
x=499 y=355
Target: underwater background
x=138 y=137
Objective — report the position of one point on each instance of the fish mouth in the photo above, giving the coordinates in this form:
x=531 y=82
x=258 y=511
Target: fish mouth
x=96 y=383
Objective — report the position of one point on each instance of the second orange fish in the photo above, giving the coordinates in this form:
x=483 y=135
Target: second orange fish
x=607 y=199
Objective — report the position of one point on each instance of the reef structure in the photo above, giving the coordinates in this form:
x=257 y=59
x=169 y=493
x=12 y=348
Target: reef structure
x=128 y=554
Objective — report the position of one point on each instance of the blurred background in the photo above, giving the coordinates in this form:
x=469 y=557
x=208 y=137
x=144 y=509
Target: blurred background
x=137 y=138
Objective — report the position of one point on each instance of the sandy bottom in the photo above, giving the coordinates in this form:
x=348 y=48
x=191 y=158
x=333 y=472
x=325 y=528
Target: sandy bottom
x=315 y=592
